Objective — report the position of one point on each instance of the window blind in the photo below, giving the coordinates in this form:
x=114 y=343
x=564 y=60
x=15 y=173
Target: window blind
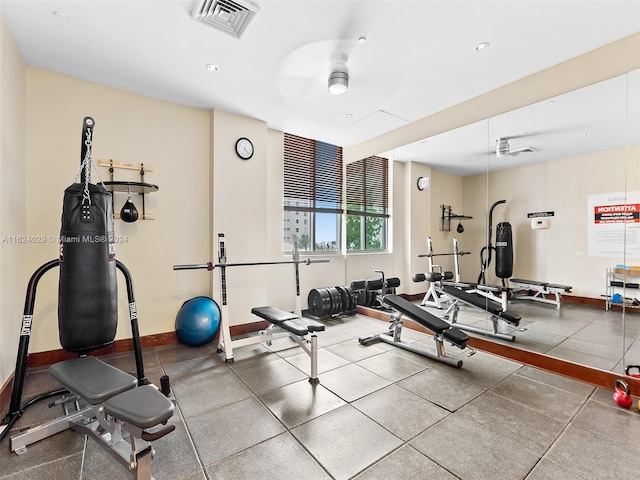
x=312 y=173
x=367 y=186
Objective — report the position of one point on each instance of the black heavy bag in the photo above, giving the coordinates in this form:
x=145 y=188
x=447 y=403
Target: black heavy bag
x=504 y=250
x=87 y=289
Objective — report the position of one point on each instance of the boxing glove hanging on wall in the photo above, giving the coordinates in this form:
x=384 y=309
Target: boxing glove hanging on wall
x=504 y=250
x=87 y=289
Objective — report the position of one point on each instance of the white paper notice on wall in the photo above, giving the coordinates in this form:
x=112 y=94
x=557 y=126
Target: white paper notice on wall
x=540 y=223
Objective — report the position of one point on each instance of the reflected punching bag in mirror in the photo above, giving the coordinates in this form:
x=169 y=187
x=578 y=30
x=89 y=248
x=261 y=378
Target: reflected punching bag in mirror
x=129 y=212
x=460 y=228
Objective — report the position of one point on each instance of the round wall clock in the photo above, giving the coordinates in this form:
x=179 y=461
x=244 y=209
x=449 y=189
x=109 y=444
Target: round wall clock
x=244 y=148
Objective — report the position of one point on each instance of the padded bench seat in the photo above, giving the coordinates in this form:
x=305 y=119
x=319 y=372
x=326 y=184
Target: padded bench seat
x=288 y=321
x=92 y=379
x=144 y=407
x=417 y=314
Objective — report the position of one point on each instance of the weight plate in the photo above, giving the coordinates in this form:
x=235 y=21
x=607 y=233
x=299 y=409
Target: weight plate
x=344 y=299
x=336 y=302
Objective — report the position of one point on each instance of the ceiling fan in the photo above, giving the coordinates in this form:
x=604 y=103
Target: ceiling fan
x=503 y=149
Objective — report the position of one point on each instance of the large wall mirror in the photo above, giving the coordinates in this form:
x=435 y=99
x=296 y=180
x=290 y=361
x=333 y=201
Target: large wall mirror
x=567 y=181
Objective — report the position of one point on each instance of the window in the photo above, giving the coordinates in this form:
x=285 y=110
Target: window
x=313 y=182
x=367 y=204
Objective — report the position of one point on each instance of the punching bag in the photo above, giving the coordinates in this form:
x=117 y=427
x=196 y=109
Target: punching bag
x=87 y=289
x=504 y=250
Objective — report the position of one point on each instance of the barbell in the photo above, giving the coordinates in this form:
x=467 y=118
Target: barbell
x=421 y=255
x=210 y=265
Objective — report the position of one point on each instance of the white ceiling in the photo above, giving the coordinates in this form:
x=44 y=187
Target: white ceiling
x=419 y=58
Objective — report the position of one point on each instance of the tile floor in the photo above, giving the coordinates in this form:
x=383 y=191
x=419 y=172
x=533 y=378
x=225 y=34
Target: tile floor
x=378 y=413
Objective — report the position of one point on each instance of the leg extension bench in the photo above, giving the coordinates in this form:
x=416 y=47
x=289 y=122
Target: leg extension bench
x=298 y=328
x=103 y=402
x=538 y=291
x=441 y=331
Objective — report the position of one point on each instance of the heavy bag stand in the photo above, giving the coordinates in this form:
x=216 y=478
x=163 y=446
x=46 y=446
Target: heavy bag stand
x=16 y=409
x=121 y=412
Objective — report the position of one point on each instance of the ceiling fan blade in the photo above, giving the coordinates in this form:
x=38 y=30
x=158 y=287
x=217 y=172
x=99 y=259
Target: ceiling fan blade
x=513 y=153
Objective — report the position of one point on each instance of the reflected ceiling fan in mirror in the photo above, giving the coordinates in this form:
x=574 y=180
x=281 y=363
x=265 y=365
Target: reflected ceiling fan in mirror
x=503 y=148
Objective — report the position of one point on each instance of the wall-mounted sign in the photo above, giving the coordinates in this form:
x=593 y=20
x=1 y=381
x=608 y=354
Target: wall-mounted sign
x=614 y=224
x=540 y=214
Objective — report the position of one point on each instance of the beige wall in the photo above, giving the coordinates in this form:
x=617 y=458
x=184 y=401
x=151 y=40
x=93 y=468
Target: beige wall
x=129 y=128
x=13 y=199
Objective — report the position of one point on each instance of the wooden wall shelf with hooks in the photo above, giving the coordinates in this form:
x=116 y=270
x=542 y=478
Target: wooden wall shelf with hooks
x=129 y=187
x=447 y=215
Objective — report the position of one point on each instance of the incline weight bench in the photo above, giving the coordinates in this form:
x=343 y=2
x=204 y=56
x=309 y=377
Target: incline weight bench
x=441 y=331
x=473 y=299
x=100 y=400
x=538 y=291
x=297 y=327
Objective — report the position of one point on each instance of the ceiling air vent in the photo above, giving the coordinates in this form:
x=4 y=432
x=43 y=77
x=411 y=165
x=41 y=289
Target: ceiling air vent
x=229 y=16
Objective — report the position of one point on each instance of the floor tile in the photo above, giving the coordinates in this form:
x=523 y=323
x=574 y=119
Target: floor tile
x=564 y=383
x=481 y=369
x=391 y=366
x=326 y=361
x=64 y=444
x=552 y=401
x=345 y=455
x=353 y=351
x=523 y=426
x=265 y=376
x=473 y=452
x=403 y=464
x=300 y=402
x=611 y=421
x=202 y=385
x=593 y=456
x=279 y=458
x=403 y=413
x=442 y=389
x=65 y=467
x=352 y=382
x=547 y=470
x=230 y=429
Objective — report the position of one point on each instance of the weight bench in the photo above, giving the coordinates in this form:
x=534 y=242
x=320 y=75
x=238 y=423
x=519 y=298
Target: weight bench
x=473 y=299
x=538 y=291
x=441 y=331
x=297 y=327
x=121 y=412
x=104 y=401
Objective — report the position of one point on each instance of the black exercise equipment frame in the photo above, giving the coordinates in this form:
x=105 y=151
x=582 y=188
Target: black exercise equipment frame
x=485 y=262
x=16 y=410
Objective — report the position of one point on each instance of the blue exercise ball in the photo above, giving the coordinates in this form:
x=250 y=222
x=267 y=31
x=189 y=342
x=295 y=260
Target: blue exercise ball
x=198 y=321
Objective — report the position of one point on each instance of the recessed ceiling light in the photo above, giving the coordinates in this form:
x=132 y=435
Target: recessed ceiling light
x=548 y=103
x=349 y=115
x=212 y=68
x=362 y=39
x=481 y=46
x=604 y=148
x=59 y=15
x=588 y=134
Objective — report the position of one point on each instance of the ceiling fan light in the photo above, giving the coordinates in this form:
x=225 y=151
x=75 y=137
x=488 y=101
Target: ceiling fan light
x=339 y=76
x=338 y=82
x=502 y=147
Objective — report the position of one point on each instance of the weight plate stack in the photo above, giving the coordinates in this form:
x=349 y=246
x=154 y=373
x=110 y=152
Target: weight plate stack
x=319 y=301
